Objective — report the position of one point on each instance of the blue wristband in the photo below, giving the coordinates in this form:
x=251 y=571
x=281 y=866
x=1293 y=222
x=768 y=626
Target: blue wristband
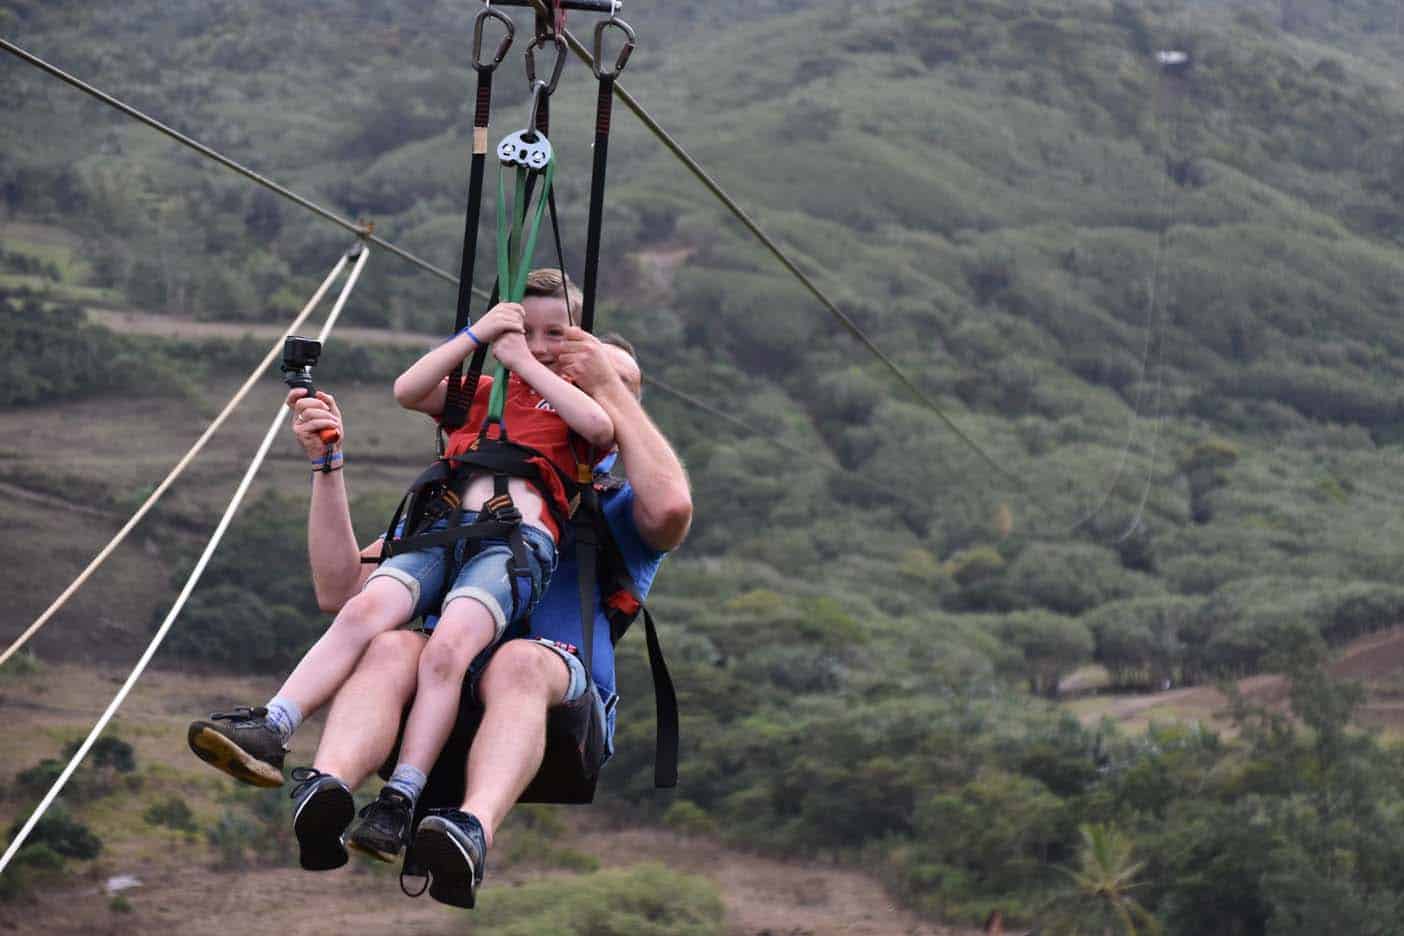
x=327 y=462
x=468 y=330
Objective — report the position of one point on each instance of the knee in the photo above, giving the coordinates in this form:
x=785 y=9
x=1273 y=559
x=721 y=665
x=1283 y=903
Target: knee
x=366 y=616
x=394 y=654
x=444 y=661
x=517 y=668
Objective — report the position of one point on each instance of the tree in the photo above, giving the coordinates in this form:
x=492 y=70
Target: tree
x=1100 y=900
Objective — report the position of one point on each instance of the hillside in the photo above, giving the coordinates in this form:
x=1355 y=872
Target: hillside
x=1165 y=304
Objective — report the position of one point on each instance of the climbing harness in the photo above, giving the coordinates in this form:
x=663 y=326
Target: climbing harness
x=576 y=731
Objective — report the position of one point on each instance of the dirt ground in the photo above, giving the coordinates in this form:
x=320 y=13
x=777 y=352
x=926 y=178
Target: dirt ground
x=178 y=892
x=763 y=897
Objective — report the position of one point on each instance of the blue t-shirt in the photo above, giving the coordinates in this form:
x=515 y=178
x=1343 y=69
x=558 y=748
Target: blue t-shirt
x=557 y=617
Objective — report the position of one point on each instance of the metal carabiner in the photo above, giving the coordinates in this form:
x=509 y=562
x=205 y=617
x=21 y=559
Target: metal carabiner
x=538 y=91
x=537 y=43
x=630 y=41
x=479 y=21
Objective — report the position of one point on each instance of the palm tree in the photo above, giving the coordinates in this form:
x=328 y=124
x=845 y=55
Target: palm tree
x=1100 y=902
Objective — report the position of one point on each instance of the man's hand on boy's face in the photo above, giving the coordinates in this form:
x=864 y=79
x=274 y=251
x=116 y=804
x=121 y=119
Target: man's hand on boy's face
x=585 y=359
x=511 y=350
x=502 y=319
x=310 y=416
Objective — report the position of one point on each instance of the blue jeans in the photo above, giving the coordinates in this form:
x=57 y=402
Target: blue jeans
x=475 y=569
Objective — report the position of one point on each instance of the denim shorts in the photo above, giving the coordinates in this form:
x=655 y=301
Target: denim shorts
x=474 y=569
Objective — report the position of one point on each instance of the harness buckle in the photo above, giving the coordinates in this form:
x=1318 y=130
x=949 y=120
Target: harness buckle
x=501 y=509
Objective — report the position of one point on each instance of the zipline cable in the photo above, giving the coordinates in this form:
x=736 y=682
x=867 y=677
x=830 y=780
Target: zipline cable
x=190 y=583
x=181 y=465
x=778 y=252
x=360 y=230
x=663 y=136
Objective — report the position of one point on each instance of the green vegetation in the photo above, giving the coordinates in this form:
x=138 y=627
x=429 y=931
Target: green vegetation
x=1166 y=304
x=647 y=900
x=172 y=812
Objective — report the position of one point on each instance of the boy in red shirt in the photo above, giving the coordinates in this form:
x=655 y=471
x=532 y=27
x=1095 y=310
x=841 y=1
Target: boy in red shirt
x=542 y=411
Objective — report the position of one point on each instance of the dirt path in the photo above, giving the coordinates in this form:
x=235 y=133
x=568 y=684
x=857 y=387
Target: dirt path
x=44 y=499
x=1367 y=658
x=129 y=321
x=766 y=896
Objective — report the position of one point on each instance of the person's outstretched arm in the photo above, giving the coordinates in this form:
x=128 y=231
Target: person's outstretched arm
x=422 y=386
x=337 y=570
x=662 y=495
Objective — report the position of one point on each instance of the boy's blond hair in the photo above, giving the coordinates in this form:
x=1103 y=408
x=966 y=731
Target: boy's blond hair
x=546 y=281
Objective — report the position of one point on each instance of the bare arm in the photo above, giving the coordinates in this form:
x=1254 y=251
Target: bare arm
x=422 y=386
x=587 y=417
x=662 y=495
x=337 y=570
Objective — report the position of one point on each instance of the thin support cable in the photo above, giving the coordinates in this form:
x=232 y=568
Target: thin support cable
x=360 y=230
x=778 y=252
x=190 y=583
x=185 y=461
x=1164 y=216
x=741 y=424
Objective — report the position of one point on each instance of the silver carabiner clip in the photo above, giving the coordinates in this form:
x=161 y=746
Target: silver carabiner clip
x=540 y=42
x=479 y=21
x=630 y=41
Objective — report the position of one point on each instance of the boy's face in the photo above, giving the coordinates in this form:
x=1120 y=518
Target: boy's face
x=546 y=320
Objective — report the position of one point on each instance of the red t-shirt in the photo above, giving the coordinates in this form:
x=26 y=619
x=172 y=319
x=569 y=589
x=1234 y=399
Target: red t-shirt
x=533 y=422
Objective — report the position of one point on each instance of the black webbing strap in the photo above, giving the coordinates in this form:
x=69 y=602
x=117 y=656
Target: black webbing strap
x=468 y=387
x=604 y=109
x=556 y=236
x=459 y=399
x=665 y=706
x=482 y=529
x=597 y=184
x=586 y=551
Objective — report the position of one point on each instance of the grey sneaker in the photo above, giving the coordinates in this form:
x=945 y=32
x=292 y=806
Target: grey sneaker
x=323 y=810
x=242 y=744
x=450 y=846
x=384 y=827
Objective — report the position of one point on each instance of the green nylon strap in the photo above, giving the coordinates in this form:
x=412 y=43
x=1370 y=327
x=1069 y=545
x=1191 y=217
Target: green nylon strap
x=514 y=265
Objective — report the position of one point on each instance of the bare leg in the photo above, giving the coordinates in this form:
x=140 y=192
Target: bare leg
x=365 y=716
x=382 y=606
x=521 y=683
x=464 y=629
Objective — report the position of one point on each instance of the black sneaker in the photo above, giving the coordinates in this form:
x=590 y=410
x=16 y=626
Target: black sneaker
x=242 y=744
x=384 y=827
x=449 y=845
x=324 y=809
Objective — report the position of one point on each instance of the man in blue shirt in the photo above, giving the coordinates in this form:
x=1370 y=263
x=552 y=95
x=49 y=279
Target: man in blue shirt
x=522 y=681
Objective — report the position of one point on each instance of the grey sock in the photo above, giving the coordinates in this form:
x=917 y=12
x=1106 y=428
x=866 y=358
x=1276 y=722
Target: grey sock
x=283 y=716
x=409 y=780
